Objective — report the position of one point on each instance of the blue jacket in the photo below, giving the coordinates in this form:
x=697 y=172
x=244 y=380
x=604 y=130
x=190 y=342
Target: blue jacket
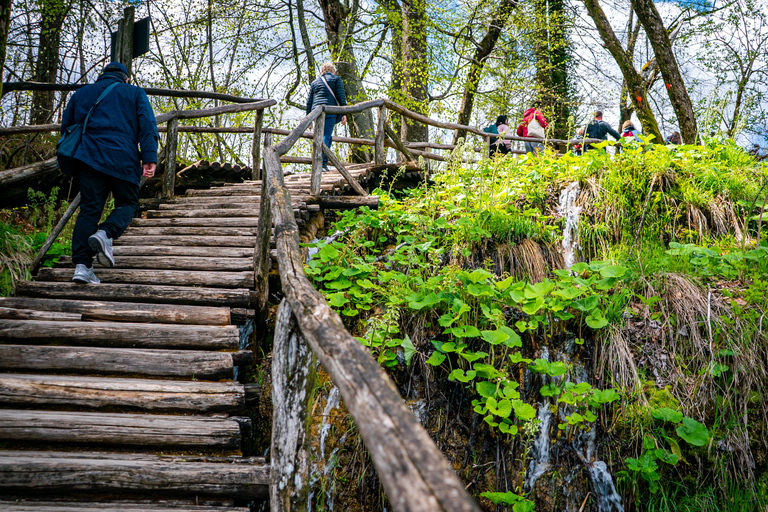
x=320 y=95
x=121 y=123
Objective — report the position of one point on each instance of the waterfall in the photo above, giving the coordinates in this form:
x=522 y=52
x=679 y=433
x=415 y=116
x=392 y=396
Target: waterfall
x=540 y=451
x=608 y=500
x=570 y=211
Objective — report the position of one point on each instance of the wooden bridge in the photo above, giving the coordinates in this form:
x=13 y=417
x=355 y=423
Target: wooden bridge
x=122 y=396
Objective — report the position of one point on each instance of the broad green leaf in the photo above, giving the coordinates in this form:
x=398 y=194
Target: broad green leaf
x=596 y=320
x=473 y=356
x=523 y=410
x=508 y=429
x=530 y=308
x=436 y=359
x=533 y=291
x=428 y=301
x=666 y=456
x=502 y=408
x=337 y=299
x=464 y=331
x=513 y=340
x=494 y=337
x=693 y=432
x=667 y=414
x=446 y=320
x=517 y=357
x=550 y=390
x=408 y=350
x=339 y=284
x=613 y=271
x=458 y=374
x=486 y=371
x=486 y=389
x=587 y=304
x=503 y=498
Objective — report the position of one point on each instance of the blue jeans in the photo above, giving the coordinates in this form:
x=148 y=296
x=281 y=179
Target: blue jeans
x=330 y=123
x=534 y=147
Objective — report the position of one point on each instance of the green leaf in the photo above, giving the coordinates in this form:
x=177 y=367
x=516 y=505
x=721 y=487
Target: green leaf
x=666 y=456
x=693 y=432
x=530 y=308
x=539 y=290
x=486 y=389
x=524 y=506
x=508 y=429
x=339 y=284
x=517 y=357
x=436 y=359
x=408 y=350
x=446 y=320
x=613 y=271
x=587 y=304
x=596 y=320
x=494 y=337
x=486 y=371
x=337 y=299
x=523 y=410
x=667 y=414
x=428 y=301
x=503 y=498
x=473 y=356
x=464 y=331
x=502 y=408
x=458 y=374
x=550 y=390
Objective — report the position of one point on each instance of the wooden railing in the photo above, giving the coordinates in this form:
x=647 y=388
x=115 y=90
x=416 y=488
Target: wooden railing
x=415 y=475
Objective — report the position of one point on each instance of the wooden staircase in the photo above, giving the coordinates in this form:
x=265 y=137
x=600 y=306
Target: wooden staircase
x=121 y=395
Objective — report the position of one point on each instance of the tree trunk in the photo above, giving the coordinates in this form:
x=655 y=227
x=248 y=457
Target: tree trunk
x=53 y=13
x=5 y=22
x=634 y=82
x=311 y=65
x=483 y=50
x=339 y=26
x=665 y=57
x=415 y=68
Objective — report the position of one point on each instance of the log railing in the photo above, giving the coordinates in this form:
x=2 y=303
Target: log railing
x=415 y=475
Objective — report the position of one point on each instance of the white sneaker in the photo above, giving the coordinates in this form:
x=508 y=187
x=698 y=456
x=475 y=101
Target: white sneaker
x=100 y=243
x=85 y=275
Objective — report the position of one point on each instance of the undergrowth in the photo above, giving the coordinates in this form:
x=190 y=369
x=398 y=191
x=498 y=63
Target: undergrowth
x=464 y=278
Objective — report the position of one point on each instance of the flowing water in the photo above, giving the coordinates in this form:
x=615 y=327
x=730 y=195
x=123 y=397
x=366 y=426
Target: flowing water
x=608 y=500
x=570 y=211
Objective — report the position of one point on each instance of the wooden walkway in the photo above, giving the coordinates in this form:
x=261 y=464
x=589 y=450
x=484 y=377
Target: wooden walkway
x=121 y=396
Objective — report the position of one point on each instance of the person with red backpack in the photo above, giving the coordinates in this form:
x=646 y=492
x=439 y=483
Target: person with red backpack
x=534 y=124
x=628 y=130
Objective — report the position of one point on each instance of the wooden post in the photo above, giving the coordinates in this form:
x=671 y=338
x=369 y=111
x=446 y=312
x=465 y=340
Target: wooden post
x=380 y=151
x=256 y=146
x=261 y=259
x=293 y=377
x=487 y=145
x=124 y=51
x=171 y=142
x=340 y=167
x=55 y=233
x=317 y=155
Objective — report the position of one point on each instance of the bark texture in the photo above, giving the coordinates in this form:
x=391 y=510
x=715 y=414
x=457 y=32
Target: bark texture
x=53 y=13
x=665 y=58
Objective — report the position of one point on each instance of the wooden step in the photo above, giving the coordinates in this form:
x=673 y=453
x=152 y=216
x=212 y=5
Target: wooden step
x=120 y=429
x=169 y=364
x=173 y=250
x=106 y=473
x=214 y=279
x=208 y=212
x=196 y=241
x=114 y=506
x=139 y=394
x=31 y=314
x=185 y=231
x=123 y=311
x=213 y=222
x=239 y=298
x=208 y=264
x=121 y=334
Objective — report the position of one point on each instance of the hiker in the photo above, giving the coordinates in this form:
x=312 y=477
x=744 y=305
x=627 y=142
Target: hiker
x=578 y=149
x=498 y=144
x=533 y=124
x=327 y=90
x=107 y=159
x=628 y=130
x=599 y=129
x=675 y=138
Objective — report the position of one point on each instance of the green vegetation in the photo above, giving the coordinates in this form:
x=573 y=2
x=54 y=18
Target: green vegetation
x=665 y=309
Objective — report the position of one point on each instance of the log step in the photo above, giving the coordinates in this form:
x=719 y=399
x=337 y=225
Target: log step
x=249 y=221
x=67 y=473
x=121 y=506
x=120 y=429
x=193 y=231
x=123 y=311
x=169 y=364
x=194 y=240
x=31 y=314
x=121 y=334
x=215 y=279
x=212 y=264
x=173 y=250
x=138 y=394
x=209 y=212
x=239 y=298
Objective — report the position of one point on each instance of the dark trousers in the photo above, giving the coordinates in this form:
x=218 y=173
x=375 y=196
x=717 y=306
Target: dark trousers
x=330 y=123
x=95 y=187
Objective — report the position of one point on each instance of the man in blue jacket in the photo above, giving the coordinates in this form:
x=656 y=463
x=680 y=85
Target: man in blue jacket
x=108 y=160
x=327 y=90
x=599 y=129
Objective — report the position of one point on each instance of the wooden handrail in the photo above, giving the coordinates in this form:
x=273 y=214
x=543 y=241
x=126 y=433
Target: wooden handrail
x=414 y=473
x=151 y=91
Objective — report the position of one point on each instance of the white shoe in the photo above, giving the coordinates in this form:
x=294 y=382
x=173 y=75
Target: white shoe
x=85 y=275
x=100 y=243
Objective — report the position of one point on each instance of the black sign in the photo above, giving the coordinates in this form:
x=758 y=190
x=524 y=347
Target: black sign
x=140 y=39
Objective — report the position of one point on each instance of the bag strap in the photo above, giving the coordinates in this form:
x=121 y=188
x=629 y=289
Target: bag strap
x=98 y=100
x=329 y=89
